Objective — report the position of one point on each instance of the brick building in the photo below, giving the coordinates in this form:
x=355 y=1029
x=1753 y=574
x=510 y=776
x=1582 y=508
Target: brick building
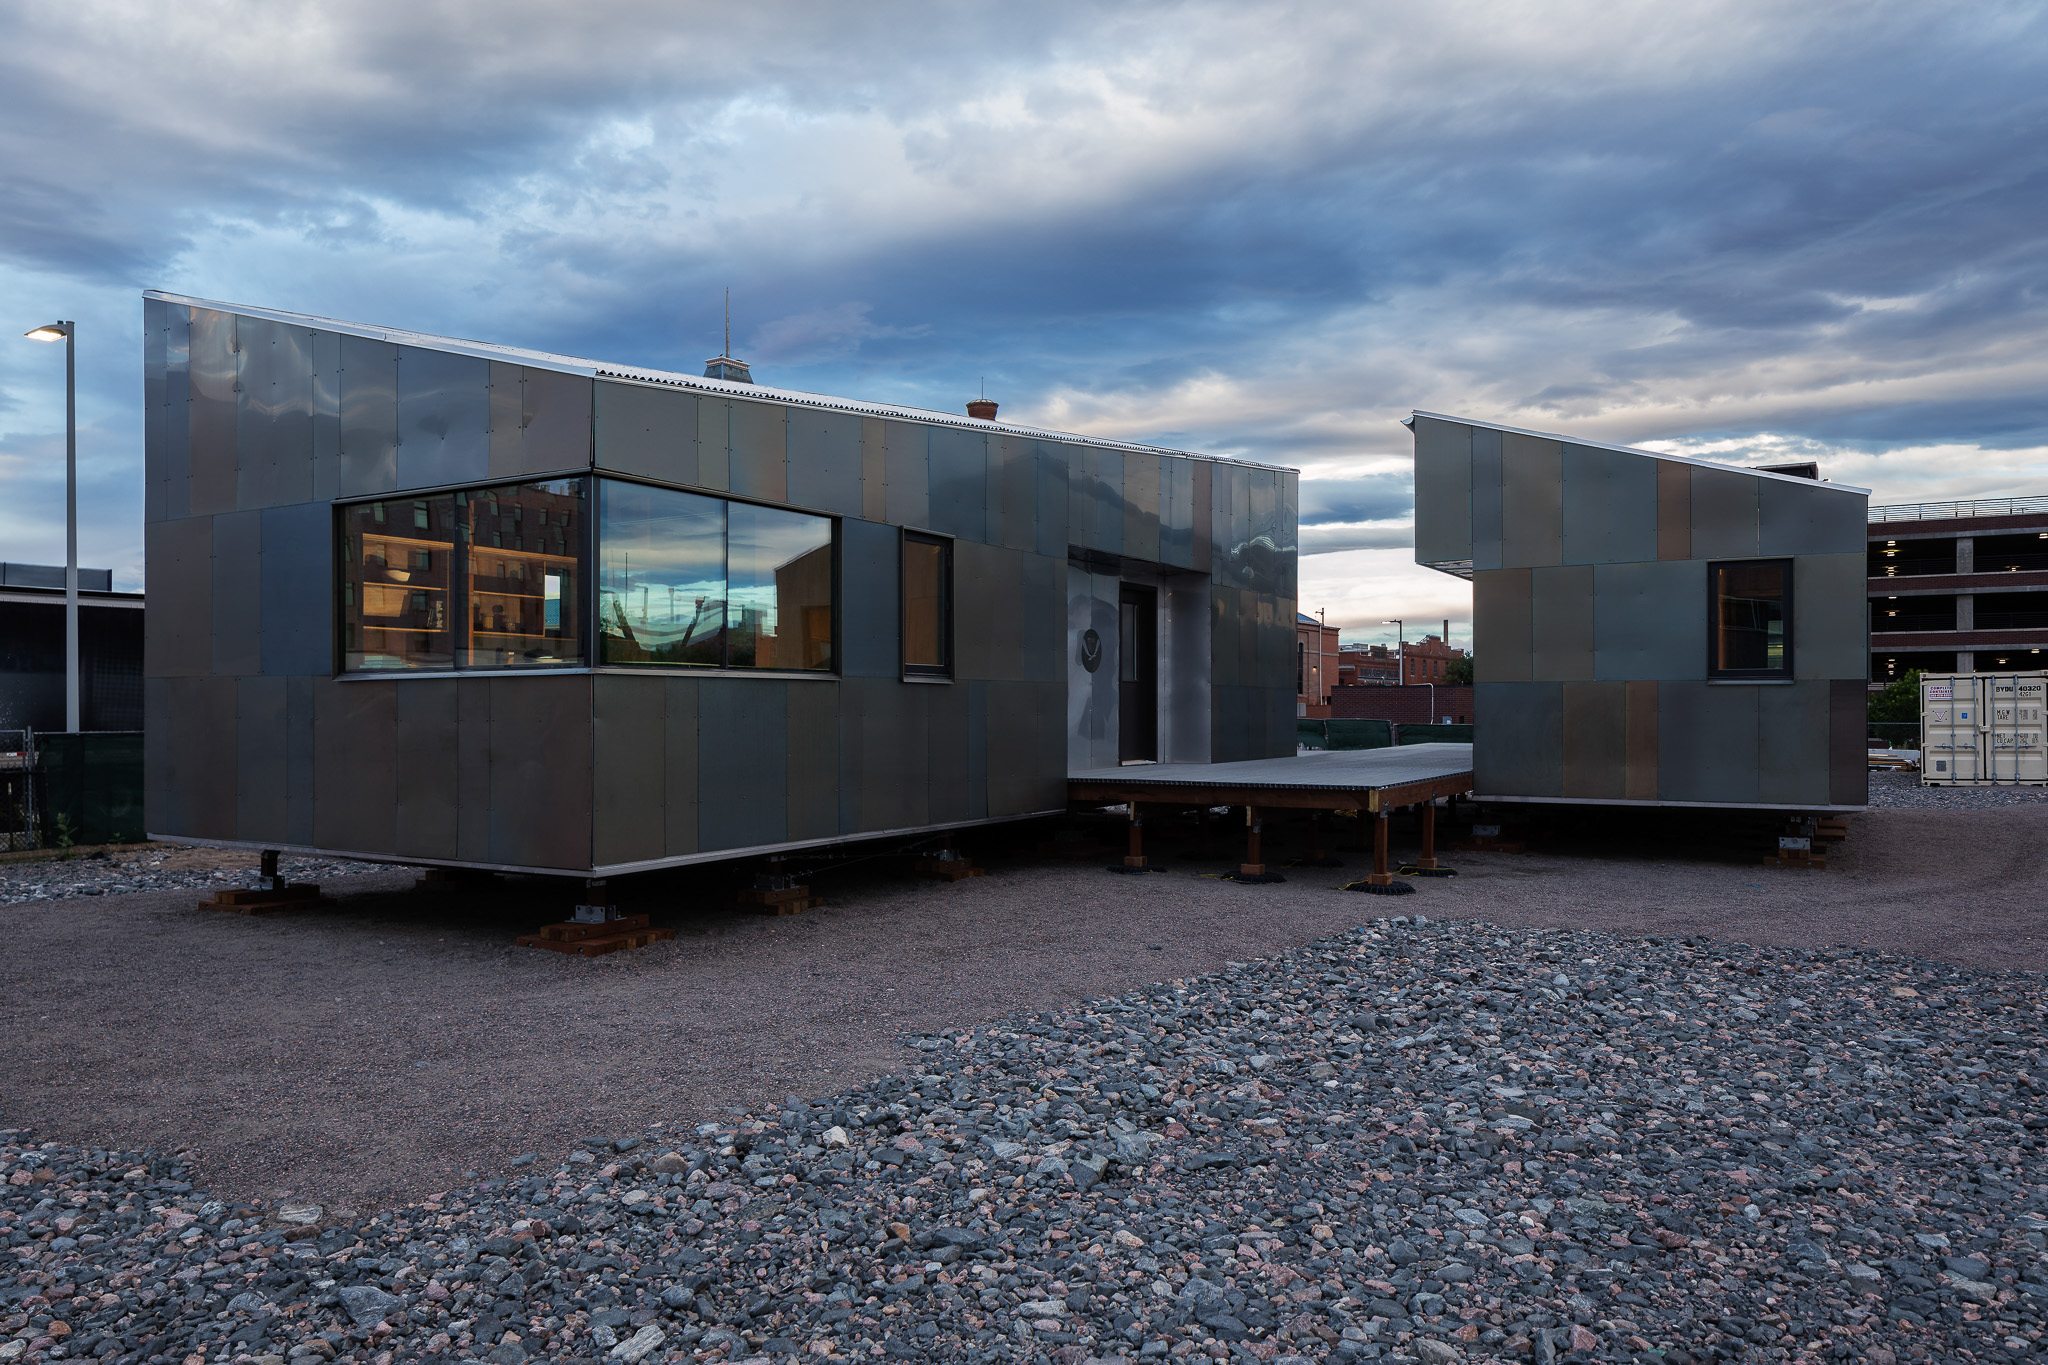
x=1427 y=660
x=1315 y=666
x=1418 y=704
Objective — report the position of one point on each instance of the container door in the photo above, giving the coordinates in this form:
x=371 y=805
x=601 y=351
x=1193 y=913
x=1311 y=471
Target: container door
x=1948 y=729
x=2014 y=728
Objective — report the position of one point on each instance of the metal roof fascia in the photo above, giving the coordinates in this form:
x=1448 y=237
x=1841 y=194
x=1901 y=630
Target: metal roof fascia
x=759 y=392
x=1633 y=450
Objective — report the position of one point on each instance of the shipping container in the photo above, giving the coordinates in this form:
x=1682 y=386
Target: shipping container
x=1982 y=729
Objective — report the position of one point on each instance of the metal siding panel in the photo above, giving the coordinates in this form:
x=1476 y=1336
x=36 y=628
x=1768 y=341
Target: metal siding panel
x=177 y=629
x=1724 y=514
x=299 y=760
x=212 y=411
x=238 y=593
x=1706 y=743
x=1050 y=525
x=759 y=450
x=1085 y=695
x=1649 y=620
x=1141 y=506
x=202 y=755
x=1802 y=517
x=473 y=769
x=1561 y=622
x=645 y=430
x=155 y=419
x=1830 y=625
x=1532 y=482
x=429 y=775
x=1041 y=617
x=1443 y=491
x=162 y=810
x=273 y=413
x=1201 y=557
x=977 y=750
x=1848 y=763
x=1595 y=740
x=177 y=473
x=629 y=766
x=679 y=763
x=959 y=482
x=1486 y=498
x=1610 y=506
x=906 y=464
x=890 y=723
x=1106 y=481
x=825 y=460
x=540 y=772
x=874 y=470
x=853 y=708
x=948 y=769
x=1792 y=744
x=1019 y=485
x=714 y=444
x=355 y=766
x=1503 y=640
x=558 y=422
x=261 y=767
x=444 y=418
x=742 y=762
x=813 y=780
x=1012 y=743
x=297 y=606
x=1674 y=510
x=988 y=634
x=1177 y=512
x=1518 y=739
x=508 y=420
x=1640 y=706
x=870 y=612
x=326 y=415
x=369 y=418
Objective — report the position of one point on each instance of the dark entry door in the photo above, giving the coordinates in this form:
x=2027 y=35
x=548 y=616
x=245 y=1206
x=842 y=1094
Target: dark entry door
x=1137 y=683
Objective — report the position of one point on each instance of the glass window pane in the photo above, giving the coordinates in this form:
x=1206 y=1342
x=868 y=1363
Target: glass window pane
x=924 y=603
x=525 y=544
x=1749 y=617
x=661 y=584
x=396 y=606
x=779 y=574
x=1127 y=643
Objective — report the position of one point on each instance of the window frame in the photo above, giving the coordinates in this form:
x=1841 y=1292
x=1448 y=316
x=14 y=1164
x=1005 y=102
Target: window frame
x=1782 y=673
x=910 y=672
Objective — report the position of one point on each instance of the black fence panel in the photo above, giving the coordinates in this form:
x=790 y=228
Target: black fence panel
x=91 y=787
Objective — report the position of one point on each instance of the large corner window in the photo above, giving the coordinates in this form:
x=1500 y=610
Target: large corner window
x=483 y=578
x=686 y=580
x=1750 y=620
x=927 y=606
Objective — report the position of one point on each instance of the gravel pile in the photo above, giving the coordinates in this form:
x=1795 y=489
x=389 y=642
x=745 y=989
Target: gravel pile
x=1902 y=791
x=156 y=870
x=1412 y=1143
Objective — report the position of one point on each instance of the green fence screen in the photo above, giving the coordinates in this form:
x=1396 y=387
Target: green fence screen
x=1436 y=734
x=1344 y=734
x=93 y=780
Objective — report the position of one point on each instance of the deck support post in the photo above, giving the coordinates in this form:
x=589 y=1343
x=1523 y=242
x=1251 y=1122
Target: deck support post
x=1136 y=857
x=1380 y=876
x=1254 y=864
x=1428 y=858
x=596 y=906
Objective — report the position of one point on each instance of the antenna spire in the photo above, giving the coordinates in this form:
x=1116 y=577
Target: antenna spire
x=728 y=320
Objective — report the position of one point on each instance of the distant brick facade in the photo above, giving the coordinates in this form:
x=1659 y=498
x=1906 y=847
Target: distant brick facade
x=1402 y=705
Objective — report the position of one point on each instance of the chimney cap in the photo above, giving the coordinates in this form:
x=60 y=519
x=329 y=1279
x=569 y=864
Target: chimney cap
x=725 y=367
x=982 y=408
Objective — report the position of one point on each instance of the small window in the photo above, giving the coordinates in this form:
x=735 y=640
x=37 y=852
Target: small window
x=927 y=606
x=1750 y=620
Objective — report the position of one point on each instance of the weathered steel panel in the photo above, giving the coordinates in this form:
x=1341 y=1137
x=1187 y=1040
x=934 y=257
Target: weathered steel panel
x=444 y=418
x=645 y=429
x=760 y=450
x=369 y=418
x=1724 y=514
x=1014 y=785
x=1141 y=499
x=958 y=463
x=1792 y=744
x=886 y=755
x=1013 y=491
x=629 y=751
x=714 y=443
x=1803 y=517
x=742 y=762
x=237 y=578
x=906 y=451
x=177 y=466
x=1610 y=506
x=297 y=601
x=874 y=469
x=273 y=413
x=1443 y=491
x=1830 y=624
x=987 y=619
x=1201 y=557
x=1503 y=615
x=1050 y=524
x=977 y=749
x=825 y=460
x=473 y=769
x=948 y=767
x=870 y=605
x=260 y=760
x=1640 y=780
x=1595 y=740
x=1706 y=742
x=300 y=759
x=327 y=468
x=1041 y=618
x=429 y=776
x=1487 y=506
x=355 y=766
x=1561 y=622
x=679 y=753
x=1518 y=739
x=1177 y=512
x=558 y=422
x=1848 y=760
x=212 y=411
x=177 y=630
x=1532 y=483
x=1674 y=510
x=540 y=771
x=1649 y=620
x=813 y=783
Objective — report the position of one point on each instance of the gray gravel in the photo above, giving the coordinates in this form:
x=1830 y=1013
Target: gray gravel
x=1902 y=791
x=1411 y=1142
x=159 y=868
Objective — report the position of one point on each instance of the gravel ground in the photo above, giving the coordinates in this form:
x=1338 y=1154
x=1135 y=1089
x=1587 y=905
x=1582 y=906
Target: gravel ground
x=1411 y=1142
x=153 y=867
x=1902 y=791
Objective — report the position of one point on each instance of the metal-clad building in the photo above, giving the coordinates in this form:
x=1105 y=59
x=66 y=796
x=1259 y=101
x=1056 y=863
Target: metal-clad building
x=443 y=602
x=1650 y=629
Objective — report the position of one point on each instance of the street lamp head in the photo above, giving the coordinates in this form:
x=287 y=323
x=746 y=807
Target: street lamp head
x=49 y=331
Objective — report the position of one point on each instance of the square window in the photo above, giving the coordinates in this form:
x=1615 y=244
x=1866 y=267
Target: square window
x=1749 y=621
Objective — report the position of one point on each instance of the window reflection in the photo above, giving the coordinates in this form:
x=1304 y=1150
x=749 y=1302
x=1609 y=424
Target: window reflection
x=661 y=577
x=779 y=566
x=524 y=550
x=927 y=584
x=396 y=586
x=1752 y=618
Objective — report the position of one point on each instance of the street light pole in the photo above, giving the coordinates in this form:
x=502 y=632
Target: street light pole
x=1400 y=649
x=69 y=332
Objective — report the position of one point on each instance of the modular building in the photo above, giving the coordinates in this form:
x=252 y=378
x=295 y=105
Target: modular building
x=434 y=601
x=1649 y=629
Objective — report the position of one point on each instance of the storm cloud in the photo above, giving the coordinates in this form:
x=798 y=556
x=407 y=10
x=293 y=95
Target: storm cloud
x=1266 y=231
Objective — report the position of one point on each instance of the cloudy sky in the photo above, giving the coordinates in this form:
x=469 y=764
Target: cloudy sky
x=1747 y=231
